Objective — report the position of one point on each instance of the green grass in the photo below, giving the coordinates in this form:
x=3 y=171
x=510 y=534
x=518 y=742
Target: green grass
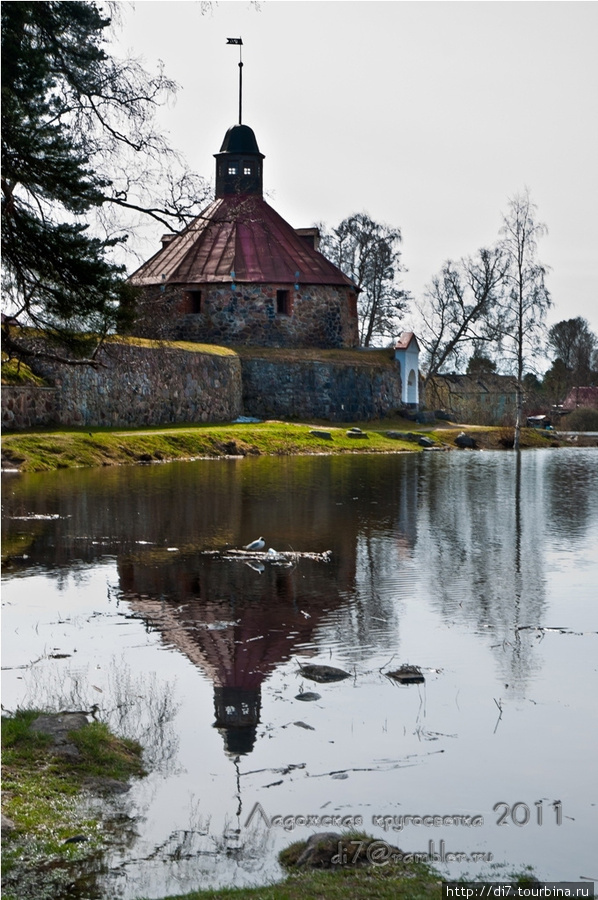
x=105 y=755
x=45 y=450
x=18 y=741
x=42 y=793
x=19 y=373
x=383 y=883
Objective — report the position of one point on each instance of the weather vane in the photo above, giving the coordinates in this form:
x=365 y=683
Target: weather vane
x=239 y=42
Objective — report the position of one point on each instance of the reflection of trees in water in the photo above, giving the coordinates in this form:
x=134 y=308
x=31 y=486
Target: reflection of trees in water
x=572 y=493
x=331 y=503
x=450 y=520
x=191 y=855
x=142 y=708
x=191 y=506
x=109 y=512
x=481 y=534
x=384 y=549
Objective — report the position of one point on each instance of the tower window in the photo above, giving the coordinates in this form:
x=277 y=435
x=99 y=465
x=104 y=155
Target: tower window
x=283 y=303
x=192 y=302
x=232 y=170
x=246 y=170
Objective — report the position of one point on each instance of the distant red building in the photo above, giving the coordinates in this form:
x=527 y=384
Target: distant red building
x=239 y=274
x=582 y=396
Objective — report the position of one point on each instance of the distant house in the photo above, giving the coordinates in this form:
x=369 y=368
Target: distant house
x=483 y=399
x=582 y=396
x=407 y=356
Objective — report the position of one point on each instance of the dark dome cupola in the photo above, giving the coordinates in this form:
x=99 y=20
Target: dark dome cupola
x=239 y=163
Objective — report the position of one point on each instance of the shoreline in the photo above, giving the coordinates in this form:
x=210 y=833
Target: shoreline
x=51 y=449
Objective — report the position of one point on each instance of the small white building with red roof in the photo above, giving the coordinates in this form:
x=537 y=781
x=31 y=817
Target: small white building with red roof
x=407 y=356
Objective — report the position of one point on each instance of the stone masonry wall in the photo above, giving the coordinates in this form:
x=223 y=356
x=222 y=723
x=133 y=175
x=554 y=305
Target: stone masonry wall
x=138 y=386
x=319 y=316
x=142 y=386
x=337 y=391
x=28 y=406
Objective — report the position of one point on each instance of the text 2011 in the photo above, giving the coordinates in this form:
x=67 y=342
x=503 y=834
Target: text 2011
x=520 y=813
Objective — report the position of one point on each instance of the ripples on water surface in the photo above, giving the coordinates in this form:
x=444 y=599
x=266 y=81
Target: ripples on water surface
x=457 y=563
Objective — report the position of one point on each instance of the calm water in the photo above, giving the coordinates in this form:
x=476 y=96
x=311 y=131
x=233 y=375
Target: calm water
x=116 y=592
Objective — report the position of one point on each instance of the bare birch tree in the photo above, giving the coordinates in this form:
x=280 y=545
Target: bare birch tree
x=526 y=299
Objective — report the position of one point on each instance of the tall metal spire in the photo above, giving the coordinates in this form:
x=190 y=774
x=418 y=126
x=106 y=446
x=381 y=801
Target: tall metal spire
x=239 y=42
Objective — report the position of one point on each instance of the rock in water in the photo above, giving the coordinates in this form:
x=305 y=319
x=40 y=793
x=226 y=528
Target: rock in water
x=465 y=441
x=407 y=675
x=323 y=674
x=332 y=850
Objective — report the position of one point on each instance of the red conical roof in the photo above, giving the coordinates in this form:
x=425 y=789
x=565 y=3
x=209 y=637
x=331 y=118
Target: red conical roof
x=244 y=235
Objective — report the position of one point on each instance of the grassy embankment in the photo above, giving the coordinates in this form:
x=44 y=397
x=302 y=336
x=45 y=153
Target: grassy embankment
x=14 y=372
x=43 y=450
x=42 y=793
x=39 y=451
x=392 y=882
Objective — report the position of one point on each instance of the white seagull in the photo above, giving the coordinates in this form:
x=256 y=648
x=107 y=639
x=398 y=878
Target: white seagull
x=256 y=545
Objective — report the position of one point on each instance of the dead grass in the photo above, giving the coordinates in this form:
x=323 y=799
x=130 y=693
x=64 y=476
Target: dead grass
x=384 y=357
x=191 y=347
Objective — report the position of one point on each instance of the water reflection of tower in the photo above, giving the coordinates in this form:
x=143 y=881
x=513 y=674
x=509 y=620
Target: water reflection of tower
x=233 y=623
x=237 y=715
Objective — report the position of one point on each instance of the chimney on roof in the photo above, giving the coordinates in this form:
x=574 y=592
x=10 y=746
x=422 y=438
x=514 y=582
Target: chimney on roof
x=311 y=236
x=166 y=239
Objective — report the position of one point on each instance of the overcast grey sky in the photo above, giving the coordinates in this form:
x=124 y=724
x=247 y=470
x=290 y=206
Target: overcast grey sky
x=426 y=115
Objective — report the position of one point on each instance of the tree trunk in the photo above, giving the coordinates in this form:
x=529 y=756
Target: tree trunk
x=520 y=306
